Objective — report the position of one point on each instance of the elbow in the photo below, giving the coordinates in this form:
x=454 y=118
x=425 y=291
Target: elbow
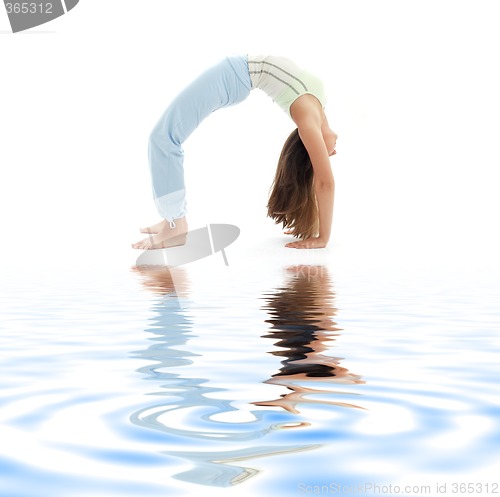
x=325 y=185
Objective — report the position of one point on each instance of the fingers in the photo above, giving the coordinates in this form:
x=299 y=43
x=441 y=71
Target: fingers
x=299 y=244
x=311 y=243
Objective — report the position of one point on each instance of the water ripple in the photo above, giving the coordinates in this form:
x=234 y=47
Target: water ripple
x=289 y=381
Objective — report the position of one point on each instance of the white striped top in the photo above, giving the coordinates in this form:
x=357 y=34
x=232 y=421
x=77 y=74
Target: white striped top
x=283 y=80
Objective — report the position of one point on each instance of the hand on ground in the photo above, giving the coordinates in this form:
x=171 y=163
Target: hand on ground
x=308 y=243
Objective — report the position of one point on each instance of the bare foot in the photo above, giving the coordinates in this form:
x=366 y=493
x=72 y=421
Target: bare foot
x=153 y=229
x=166 y=236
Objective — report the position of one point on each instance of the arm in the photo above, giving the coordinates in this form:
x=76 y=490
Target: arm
x=324 y=184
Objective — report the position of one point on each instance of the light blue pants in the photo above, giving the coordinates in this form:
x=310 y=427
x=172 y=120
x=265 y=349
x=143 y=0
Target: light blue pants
x=225 y=84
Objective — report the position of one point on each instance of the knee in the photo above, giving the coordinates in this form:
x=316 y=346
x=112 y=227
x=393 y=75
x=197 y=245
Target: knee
x=160 y=139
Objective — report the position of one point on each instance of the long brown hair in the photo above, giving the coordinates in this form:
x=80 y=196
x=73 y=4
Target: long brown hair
x=292 y=201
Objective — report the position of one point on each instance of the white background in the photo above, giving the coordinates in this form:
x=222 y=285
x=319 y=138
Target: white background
x=413 y=91
x=413 y=95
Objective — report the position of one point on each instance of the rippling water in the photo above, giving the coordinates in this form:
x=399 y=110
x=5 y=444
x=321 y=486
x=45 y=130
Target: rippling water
x=294 y=381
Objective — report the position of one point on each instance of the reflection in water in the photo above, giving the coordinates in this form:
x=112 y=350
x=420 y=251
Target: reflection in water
x=162 y=280
x=191 y=397
x=187 y=410
x=301 y=319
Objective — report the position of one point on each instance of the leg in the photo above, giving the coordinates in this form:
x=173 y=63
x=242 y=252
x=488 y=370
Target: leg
x=167 y=172
x=225 y=84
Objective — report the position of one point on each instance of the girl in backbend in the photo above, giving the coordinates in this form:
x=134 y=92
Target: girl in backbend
x=303 y=189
